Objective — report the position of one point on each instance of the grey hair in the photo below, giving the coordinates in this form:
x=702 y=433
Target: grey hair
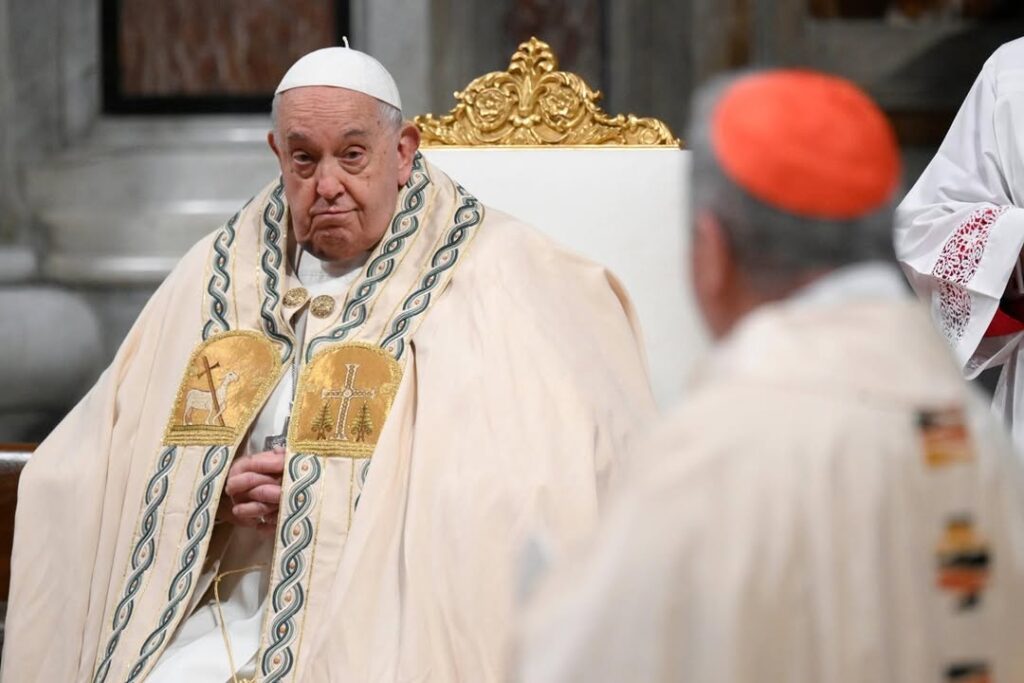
x=771 y=245
x=390 y=115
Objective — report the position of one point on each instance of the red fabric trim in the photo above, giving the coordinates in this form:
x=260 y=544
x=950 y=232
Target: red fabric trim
x=1002 y=324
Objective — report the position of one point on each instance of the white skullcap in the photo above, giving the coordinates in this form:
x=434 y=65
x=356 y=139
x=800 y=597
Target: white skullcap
x=342 y=67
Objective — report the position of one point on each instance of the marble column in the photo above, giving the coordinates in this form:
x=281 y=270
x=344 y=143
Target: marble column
x=13 y=212
x=652 y=57
x=50 y=349
x=398 y=33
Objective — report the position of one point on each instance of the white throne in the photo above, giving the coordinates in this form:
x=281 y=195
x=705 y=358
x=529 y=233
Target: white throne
x=531 y=141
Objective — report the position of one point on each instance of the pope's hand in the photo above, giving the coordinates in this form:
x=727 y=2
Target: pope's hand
x=254 y=490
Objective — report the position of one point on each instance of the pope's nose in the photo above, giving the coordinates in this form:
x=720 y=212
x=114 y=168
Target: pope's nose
x=329 y=186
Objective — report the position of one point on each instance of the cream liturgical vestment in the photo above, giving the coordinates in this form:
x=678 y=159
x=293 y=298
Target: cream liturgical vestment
x=960 y=230
x=472 y=386
x=831 y=505
x=233 y=613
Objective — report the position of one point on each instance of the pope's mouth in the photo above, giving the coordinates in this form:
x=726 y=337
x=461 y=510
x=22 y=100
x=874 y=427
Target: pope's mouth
x=330 y=219
x=331 y=212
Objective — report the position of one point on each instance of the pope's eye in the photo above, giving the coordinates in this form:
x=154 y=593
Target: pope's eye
x=301 y=158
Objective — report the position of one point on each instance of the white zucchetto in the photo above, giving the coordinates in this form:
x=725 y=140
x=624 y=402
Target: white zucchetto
x=342 y=67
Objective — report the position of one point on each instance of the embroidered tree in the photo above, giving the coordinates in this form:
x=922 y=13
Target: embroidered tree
x=362 y=426
x=323 y=424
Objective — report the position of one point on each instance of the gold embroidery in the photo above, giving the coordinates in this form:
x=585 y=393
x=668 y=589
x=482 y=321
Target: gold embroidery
x=323 y=424
x=322 y=306
x=963 y=562
x=533 y=103
x=295 y=297
x=945 y=437
x=227 y=379
x=343 y=399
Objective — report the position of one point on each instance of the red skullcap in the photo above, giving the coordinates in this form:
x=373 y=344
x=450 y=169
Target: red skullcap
x=806 y=143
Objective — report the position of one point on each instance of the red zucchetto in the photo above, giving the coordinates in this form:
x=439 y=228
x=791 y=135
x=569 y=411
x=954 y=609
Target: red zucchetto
x=806 y=143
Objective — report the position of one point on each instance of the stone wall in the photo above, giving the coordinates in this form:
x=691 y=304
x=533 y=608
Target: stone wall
x=48 y=98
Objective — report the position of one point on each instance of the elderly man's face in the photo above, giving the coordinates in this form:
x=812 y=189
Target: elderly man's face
x=342 y=167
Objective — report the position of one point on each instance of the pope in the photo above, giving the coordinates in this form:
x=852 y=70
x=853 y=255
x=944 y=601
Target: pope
x=320 y=447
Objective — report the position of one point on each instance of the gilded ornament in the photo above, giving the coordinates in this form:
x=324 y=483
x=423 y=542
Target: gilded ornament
x=533 y=103
x=295 y=297
x=322 y=306
x=227 y=379
x=342 y=401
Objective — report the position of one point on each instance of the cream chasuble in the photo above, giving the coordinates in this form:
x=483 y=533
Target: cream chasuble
x=832 y=504
x=960 y=230
x=489 y=376
x=203 y=649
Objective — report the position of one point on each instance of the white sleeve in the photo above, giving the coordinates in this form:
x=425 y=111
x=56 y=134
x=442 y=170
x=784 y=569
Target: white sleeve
x=960 y=230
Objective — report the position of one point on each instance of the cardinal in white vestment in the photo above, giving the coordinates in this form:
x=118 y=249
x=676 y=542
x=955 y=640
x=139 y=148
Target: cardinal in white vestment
x=319 y=450
x=960 y=231
x=833 y=503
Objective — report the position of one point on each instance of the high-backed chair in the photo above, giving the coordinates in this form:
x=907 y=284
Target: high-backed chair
x=13 y=457
x=533 y=142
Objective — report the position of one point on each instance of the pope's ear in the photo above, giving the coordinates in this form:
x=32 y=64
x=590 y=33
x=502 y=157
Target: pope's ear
x=408 y=143
x=273 y=144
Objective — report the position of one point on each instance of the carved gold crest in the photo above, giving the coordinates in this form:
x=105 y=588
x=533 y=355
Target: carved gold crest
x=343 y=400
x=227 y=379
x=533 y=103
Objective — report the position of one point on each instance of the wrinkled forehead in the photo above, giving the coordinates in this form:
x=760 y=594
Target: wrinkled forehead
x=327 y=107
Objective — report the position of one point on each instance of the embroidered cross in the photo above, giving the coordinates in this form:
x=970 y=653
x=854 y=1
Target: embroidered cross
x=346 y=394
x=208 y=371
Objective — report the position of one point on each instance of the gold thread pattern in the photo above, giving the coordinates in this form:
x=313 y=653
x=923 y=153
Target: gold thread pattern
x=343 y=399
x=322 y=306
x=226 y=380
x=295 y=297
x=533 y=103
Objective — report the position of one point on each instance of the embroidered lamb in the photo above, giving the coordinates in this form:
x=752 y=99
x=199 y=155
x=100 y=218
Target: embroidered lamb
x=197 y=399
